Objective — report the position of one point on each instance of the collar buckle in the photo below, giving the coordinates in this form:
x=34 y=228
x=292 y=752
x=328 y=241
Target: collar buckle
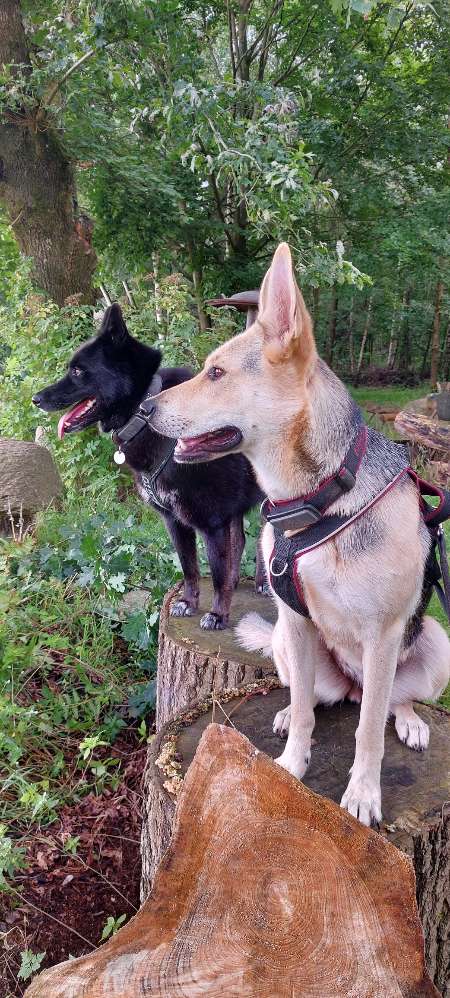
x=130 y=430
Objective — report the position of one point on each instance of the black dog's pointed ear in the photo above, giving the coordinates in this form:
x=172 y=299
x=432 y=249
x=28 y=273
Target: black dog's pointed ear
x=113 y=324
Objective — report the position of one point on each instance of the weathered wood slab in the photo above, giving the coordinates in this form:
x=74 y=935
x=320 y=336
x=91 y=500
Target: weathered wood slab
x=415 y=789
x=192 y=663
x=267 y=891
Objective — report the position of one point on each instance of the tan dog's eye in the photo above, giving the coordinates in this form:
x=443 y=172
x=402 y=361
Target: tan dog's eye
x=214 y=373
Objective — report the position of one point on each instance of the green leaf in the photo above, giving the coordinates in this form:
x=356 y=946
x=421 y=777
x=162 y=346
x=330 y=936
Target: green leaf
x=29 y=964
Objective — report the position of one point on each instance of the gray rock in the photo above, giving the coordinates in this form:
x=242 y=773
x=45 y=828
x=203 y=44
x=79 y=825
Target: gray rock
x=29 y=480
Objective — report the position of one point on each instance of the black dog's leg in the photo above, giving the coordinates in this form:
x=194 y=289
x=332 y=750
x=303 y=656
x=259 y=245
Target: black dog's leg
x=218 y=549
x=185 y=545
x=261 y=584
x=237 y=542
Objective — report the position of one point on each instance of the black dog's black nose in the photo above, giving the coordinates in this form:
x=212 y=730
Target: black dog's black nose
x=36 y=399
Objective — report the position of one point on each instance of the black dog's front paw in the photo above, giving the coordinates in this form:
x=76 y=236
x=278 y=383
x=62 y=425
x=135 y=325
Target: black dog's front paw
x=213 y=622
x=181 y=608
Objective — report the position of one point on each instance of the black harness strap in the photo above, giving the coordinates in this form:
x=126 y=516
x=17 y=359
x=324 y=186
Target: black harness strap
x=436 y=569
x=307 y=515
x=139 y=421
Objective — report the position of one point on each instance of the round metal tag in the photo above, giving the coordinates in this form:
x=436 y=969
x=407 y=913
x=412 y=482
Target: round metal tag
x=119 y=457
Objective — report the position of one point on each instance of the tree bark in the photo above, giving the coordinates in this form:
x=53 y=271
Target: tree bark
x=415 y=798
x=435 y=341
x=266 y=889
x=37 y=184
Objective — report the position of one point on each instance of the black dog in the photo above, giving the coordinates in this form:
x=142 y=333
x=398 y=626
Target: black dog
x=107 y=379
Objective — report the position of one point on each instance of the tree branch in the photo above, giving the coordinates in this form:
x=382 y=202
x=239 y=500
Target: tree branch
x=51 y=94
x=294 y=55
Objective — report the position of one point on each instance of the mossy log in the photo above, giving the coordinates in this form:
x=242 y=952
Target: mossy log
x=267 y=890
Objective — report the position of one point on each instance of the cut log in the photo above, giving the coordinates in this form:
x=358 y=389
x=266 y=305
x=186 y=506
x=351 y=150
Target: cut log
x=193 y=663
x=415 y=789
x=267 y=891
x=419 y=424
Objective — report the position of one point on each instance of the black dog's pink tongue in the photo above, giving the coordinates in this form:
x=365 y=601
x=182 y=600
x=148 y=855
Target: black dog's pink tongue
x=72 y=414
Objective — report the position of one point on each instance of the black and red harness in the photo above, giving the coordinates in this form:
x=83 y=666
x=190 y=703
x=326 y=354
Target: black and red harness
x=308 y=515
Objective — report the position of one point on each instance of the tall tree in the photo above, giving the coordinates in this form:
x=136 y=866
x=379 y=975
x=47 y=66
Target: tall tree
x=37 y=183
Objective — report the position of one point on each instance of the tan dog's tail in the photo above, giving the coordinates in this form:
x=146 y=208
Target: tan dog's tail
x=255 y=634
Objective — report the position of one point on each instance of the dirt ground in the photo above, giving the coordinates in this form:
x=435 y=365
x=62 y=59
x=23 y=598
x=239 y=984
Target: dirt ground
x=67 y=898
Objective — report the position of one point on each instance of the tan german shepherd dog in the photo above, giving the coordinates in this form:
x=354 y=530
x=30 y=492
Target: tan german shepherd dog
x=267 y=395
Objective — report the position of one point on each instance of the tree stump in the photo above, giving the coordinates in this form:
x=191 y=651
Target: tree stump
x=415 y=789
x=266 y=891
x=193 y=663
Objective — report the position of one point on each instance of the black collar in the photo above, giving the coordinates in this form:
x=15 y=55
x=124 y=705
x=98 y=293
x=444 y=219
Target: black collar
x=295 y=514
x=140 y=418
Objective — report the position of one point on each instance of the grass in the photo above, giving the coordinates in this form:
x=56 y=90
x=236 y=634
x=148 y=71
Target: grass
x=391 y=395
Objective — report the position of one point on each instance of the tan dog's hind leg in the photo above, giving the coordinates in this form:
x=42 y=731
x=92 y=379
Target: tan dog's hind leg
x=362 y=797
x=422 y=674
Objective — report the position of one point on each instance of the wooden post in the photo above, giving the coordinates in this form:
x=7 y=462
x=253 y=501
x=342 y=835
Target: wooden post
x=266 y=890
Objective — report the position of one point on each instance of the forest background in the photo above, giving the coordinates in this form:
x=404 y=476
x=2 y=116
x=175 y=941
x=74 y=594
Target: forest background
x=159 y=151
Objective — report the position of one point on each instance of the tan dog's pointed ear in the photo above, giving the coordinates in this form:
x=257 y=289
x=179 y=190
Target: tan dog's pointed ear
x=283 y=314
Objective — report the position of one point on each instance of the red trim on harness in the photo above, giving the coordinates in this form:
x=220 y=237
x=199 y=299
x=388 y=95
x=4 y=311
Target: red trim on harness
x=425 y=488
x=360 y=447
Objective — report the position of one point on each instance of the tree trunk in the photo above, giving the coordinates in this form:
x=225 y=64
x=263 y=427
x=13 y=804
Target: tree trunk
x=364 y=337
x=203 y=319
x=266 y=889
x=332 y=325
x=415 y=796
x=193 y=663
x=404 y=345
x=351 y=344
x=446 y=364
x=37 y=184
x=435 y=341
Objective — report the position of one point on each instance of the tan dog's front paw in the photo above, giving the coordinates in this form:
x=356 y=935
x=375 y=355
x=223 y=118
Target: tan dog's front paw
x=282 y=721
x=296 y=762
x=362 y=799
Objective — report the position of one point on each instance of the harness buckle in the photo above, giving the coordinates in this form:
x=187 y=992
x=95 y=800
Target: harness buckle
x=294 y=518
x=346 y=479
x=277 y=575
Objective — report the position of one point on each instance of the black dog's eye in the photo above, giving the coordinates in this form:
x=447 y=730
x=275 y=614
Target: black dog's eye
x=77 y=372
x=214 y=373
